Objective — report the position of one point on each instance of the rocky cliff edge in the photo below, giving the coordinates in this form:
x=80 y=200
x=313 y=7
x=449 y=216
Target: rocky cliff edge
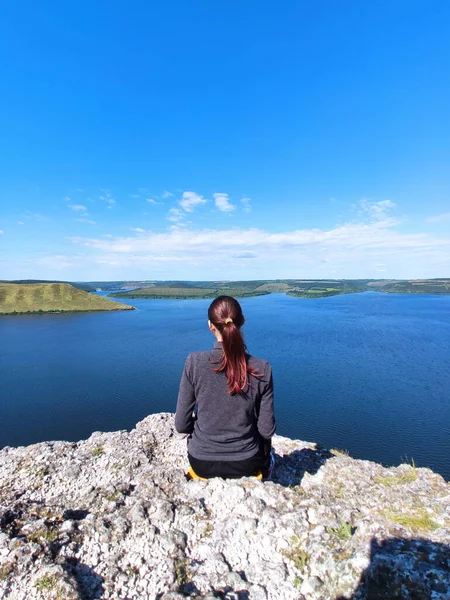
x=114 y=517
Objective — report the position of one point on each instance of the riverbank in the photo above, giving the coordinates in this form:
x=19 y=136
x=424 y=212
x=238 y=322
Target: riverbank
x=114 y=517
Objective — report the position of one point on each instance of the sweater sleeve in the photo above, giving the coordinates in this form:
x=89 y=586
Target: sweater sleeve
x=184 y=421
x=266 y=418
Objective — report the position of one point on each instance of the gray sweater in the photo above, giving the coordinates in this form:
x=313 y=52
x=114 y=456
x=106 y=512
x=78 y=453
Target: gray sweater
x=227 y=427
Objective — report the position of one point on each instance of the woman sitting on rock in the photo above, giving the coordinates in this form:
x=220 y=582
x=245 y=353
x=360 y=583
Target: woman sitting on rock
x=232 y=394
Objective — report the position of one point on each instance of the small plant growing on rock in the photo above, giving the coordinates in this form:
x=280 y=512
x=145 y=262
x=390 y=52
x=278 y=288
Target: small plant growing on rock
x=407 y=475
x=207 y=532
x=5 y=571
x=297 y=555
x=182 y=571
x=343 y=532
x=49 y=535
x=338 y=452
x=114 y=496
x=98 y=451
x=419 y=522
x=46 y=582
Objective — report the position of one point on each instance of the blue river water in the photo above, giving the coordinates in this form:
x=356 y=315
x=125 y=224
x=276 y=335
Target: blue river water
x=368 y=373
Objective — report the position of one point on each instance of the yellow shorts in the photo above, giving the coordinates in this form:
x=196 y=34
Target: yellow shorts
x=191 y=474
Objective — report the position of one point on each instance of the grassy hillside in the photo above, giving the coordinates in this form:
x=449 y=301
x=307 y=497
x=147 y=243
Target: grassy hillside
x=299 y=288
x=185 y=292
x=417 y=286
x=51 y=297
x=80 y=285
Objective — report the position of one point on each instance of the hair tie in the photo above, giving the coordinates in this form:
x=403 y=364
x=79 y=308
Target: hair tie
x=228 y=320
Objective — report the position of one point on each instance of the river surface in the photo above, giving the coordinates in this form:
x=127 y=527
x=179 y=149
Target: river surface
x=368 y=373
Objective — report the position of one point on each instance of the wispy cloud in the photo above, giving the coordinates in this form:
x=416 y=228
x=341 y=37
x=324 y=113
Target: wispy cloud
x=1 y=232
x=137 y=229
x=443 y=218
x=36 y=216
x=108 y=198
x=84 y=220
x=380 y=211
x=190 y=200
x=20 y=223
x=144 y=194
x=247 y=202
x=352 y=250
x=83 y=213
x=223 y=203
x=78 y=208
x=176 y=215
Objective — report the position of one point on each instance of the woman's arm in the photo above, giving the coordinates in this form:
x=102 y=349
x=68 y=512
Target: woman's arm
x=184 y=420
x=266 y=418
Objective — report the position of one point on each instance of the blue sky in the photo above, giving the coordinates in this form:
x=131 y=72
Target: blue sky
x=225 y=140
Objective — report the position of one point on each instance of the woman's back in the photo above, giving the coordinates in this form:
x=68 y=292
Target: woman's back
x=232 y=394
x=227 y=426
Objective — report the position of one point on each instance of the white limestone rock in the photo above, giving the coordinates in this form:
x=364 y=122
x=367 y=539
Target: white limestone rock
x=114 y=517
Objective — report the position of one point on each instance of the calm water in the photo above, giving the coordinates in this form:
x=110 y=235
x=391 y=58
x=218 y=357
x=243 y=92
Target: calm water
x=369 y=373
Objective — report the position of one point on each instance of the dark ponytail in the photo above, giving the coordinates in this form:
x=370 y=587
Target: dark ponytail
x=225 y=314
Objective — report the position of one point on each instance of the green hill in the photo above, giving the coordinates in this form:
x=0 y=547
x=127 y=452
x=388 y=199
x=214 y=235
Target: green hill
x=184 y=292
x=51 y=297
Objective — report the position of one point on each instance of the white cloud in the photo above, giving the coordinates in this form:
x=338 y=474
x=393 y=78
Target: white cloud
x=354 y=250
x=151 y=201
x=137 y=229
x=222 y=202
x=190 y=200
x=176 y=215
x=1 y=232
x=20 y=223
x=166 y=194
x=83 y=220
x=444 y=218
x=187 y=204
x=67 y=199
x=108 y=198
x=377 y=211
x=78 y=207
x=247 y=204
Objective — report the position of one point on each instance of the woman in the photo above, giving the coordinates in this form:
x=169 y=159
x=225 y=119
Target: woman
x=232 y=391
